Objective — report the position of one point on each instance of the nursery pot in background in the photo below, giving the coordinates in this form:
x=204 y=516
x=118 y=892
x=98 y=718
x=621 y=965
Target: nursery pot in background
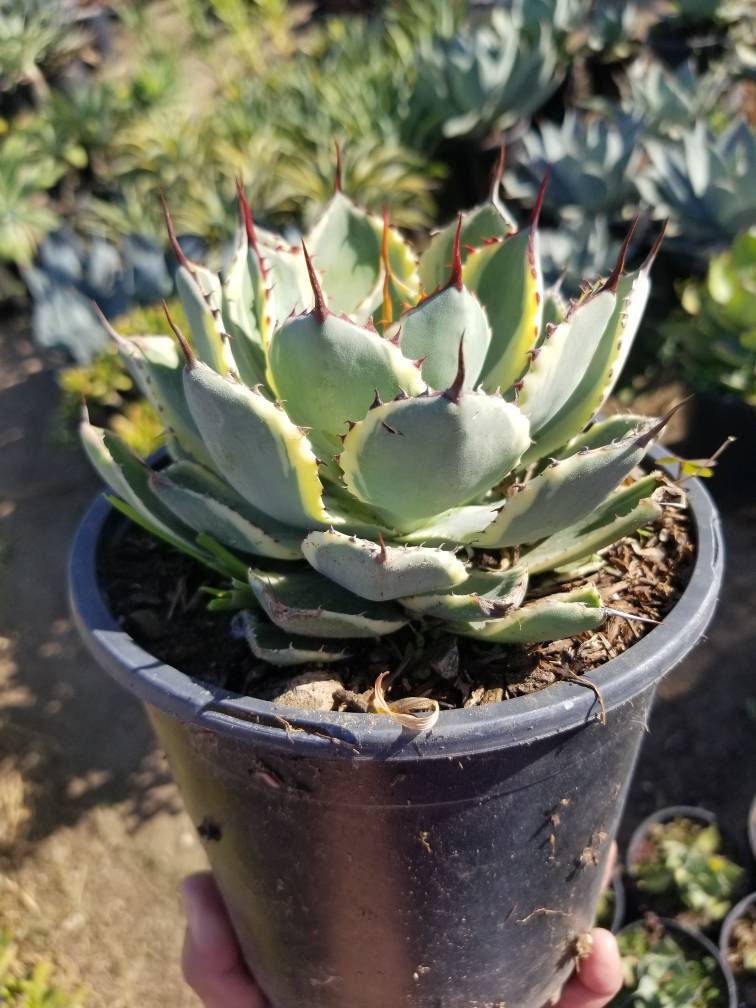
x=746 y=982
x=366 y=866
x=696 y=946
x=636 y=850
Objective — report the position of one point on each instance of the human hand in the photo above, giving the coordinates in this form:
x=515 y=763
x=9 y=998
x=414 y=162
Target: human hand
x=214 y=968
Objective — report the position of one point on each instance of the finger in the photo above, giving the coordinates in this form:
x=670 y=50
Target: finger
x=211 y=960
x=599 y=977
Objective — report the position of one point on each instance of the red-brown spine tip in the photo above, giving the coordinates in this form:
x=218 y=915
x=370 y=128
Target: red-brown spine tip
x=616 y=275
x=536 y=212
x=174 y=242
x=455 y=280
x=454 y=391
x=246 y=215
x=191 y=360
x=659 y=426
x=648 y=262
x=338 y=177
x=498 y=172
x=321 y=308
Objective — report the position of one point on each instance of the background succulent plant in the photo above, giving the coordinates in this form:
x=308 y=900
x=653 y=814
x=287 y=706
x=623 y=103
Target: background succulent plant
x=712 y=339
x=347 y=473
x=705 y=184
x=590 y=162
x=486 y=76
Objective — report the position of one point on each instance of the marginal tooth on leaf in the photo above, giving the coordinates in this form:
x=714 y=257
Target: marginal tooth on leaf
x=648 y=262
x=616 y=275
x=377 y=401
x=321 y=308
x=401 y=394
x=338 y=177
x=382 y=555
x=657 y=428
x=455 y=280
x=191 y=359
x=532 y=354
x=174 y=242
x=550 y=330
x=391 y=430
x=454 y=392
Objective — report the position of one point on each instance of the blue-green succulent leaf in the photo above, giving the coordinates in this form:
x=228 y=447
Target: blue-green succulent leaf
x=272 y=645
x=303 y=602
x=376 y=571
x=547 y=619
x=413 y=458
x=263 y=455
x=486 y=595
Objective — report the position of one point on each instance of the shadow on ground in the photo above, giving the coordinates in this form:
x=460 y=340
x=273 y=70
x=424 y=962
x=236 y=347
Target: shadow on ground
x=79 y=740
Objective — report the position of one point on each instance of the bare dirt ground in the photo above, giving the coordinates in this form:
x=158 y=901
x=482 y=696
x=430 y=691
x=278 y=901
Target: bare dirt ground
x=93 y=840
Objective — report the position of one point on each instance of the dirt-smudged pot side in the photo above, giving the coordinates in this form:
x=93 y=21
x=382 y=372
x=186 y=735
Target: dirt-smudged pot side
x=457 y=882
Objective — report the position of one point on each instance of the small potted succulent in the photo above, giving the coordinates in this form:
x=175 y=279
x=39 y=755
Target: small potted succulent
x=737 y=943
x=681 y=867
x=667 y=966
x=389 y=469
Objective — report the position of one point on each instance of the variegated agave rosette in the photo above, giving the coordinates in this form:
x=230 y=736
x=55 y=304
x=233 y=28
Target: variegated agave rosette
x=355 y=453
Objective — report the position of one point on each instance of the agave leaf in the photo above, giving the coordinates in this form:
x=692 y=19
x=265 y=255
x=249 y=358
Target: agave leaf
x=604 y=432
x=486 y=595
x=621 y=514
x=564 y=492
x=303 y=602
x=460 y=525
x=561 y=361
x=567 y=407
x=433 y=331
x=290 y=292
x=552 y=618
x=263 y=455
x=379 y=572
x=479 y=225
x=506 y=276
x=201 y=298
x=156 y=367
x=346 y=247
x=128 y=476
x=412 y=458
x=327 y=370
x=270 y=644
x=246 y=312
x=206 y=504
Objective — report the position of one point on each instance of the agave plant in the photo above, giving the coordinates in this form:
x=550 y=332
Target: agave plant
x=485 y=77
x=357 y=454
x=591 y=165
x=705 y=184
x=670 y=102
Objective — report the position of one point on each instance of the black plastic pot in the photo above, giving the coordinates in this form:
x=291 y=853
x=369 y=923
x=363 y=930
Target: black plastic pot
x=696 y=946
x=642 y=902
x=746 y=984
x=364 y=866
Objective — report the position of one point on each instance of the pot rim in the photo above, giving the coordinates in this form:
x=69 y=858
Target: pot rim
x=554 y=710
x=730 y=920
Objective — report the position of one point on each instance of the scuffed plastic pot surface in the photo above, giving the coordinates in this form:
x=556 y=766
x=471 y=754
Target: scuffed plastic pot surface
x=368 y=868
x=453 y=882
